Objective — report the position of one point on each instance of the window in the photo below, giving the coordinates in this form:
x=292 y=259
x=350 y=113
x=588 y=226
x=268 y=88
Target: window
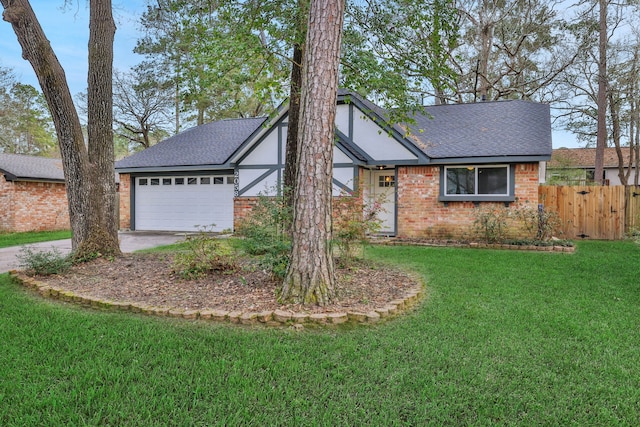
x=205 y=180
x=179 y=181
x=166 y=181
x=155 y=181
x=142 y=181
x=386 y=181
x=477 y=183
x=192 y=181
x=218 y=180
x=230 y=180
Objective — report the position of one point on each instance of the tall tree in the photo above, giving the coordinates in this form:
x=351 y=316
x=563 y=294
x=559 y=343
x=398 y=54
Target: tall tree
x=295 y=89
x=598 y=29
x=25 y=122
x=142 y=108
x=601 y=135
x=510 y=49
x=217 y=65
x=88 y=170
x=310 y=276
x=396 y=51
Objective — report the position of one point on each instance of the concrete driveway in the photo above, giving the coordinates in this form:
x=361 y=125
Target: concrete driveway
x=130 y=241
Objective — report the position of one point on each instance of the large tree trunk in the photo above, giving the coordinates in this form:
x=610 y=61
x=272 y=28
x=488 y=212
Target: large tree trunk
x=601 y=137
x=103 y=228
x=87 y=183
x=310 y=277
x=293 y=120
x=291 y=161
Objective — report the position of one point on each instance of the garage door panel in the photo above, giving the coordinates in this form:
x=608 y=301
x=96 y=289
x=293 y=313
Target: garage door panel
x=184 y=207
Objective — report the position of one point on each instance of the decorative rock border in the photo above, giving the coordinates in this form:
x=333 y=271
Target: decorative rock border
x=297 y=320
x=473 y=245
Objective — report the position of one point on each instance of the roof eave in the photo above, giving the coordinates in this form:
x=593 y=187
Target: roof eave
x=9 y=177
x=492 y=159
x=168 y=169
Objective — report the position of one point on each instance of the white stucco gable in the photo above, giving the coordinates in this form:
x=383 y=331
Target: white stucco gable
x=377 y=143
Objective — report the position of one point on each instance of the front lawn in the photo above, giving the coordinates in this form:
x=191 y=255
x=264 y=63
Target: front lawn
x=15 y=239
x=502 y=338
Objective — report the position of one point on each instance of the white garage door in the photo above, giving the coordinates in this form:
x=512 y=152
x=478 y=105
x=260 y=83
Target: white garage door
x=184 y=203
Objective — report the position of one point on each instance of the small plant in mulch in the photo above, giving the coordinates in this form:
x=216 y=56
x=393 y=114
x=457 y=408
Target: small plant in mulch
x=43 y=263
x=263 y=234
x=204 y=254
x=354 y=221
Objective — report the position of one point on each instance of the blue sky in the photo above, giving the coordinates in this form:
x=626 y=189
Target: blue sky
x=67 y=28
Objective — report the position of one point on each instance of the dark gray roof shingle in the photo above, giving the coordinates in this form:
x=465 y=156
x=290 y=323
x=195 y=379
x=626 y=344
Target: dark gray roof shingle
x=483 y=129
x=444 y=132
x=22 y=167
x=208 y=144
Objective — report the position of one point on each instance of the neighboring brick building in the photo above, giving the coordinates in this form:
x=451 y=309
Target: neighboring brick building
x=430 y=177
x=32 y=194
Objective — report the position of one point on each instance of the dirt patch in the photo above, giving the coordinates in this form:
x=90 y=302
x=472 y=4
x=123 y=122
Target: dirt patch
x=148 y=279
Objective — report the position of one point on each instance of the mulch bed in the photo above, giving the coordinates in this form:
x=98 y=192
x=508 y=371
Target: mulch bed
x=148 y=279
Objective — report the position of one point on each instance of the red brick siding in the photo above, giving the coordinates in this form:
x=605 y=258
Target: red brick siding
x=421 y=215
x=33 y=206
x=125 y=201
x=6 y=202
x=242 y=207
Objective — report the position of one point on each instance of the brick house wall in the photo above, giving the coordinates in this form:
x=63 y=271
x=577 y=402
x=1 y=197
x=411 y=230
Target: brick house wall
x=6 y=201
x=33 y=206
x=421 y=215
x=242 y=207
x=124 y=202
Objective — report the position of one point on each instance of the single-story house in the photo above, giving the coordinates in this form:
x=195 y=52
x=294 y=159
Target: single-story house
x=576 y=166
x=432 y=174
x=32 y=194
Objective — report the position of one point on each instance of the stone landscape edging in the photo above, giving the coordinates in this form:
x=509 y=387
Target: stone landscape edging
x=473 y=245
x=267 y=318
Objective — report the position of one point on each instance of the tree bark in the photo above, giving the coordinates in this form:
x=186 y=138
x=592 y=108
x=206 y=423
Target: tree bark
x=89 y=174
x=293 y=120
x=601 y=138
x=291 y=163
x=310 y=278
x=102 y=237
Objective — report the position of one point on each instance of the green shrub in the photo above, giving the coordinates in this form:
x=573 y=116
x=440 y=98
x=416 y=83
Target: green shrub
x=490 y=224
x=43 y=263
x=354 y=221
x=204 y=254
x=540 y=224
x=519 y=223
x=264 y=233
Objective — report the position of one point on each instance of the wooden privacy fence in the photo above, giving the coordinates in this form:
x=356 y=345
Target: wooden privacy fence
x=593 y=212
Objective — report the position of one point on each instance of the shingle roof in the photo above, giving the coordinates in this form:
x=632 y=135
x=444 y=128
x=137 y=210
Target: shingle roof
x=484 y=129
x=444 y=132
x=208 y=144
x=585 y=157
x=19 y=167
x=481 y=129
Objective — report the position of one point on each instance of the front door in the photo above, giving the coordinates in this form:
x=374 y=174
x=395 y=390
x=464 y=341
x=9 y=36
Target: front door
x=383 y=191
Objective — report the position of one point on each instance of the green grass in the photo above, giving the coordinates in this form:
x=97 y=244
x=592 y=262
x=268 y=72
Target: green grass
x=15 y=239
x=502 y=338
